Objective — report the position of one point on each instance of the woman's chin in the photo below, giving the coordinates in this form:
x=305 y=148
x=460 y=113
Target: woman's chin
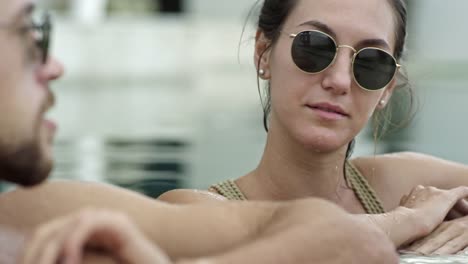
x=323 y=142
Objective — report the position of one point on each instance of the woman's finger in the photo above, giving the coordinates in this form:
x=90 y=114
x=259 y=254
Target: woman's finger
x=453 y=246
x=459 y=193
x=453 y=214
x=403 y=199
x=434 y=241
x=462 y=207
x=419 y=243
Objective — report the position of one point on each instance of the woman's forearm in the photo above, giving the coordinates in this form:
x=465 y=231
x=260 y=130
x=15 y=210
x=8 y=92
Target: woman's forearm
x=400 y=225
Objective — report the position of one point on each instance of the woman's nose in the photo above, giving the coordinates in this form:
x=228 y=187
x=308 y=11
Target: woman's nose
x=338 y=77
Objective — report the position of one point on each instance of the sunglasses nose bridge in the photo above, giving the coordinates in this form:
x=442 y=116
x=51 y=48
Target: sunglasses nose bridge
x=348 y=47
x=353 y=54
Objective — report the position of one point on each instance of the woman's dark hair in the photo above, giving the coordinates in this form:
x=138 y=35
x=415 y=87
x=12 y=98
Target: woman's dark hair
x=273 y=15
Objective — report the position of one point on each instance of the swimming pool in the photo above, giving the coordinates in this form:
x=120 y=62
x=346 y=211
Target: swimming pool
x=451 y=259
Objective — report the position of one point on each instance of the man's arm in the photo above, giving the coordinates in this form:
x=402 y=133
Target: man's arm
x=311 y=231
x=256 y=232
x=12 y=244
x=294 y=234
x=175 y=228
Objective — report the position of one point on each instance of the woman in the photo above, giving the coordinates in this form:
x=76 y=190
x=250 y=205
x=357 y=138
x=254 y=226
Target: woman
x=330 y=65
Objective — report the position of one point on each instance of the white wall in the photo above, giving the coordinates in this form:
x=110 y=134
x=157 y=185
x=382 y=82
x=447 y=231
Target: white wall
x=439 y=71
x=162 y=77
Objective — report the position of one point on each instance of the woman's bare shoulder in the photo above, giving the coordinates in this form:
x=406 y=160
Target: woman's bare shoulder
x=413 y=165
x=184 y=196
x=393 y=175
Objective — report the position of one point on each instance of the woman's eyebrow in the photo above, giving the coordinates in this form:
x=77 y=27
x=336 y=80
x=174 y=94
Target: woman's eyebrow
x=378 y=43
x=363 y=43
x=321 y=26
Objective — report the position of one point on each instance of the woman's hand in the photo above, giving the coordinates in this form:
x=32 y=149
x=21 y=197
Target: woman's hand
x=458 y=211
x=419 y=213
x=66 y=238
x=450 y=237
x=431 y=205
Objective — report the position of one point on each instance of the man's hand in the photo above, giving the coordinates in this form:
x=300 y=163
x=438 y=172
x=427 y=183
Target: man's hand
x=66 y=238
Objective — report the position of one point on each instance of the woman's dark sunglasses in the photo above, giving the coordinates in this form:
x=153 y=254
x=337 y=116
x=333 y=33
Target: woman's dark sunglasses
x=314 y=51
x=42 y=30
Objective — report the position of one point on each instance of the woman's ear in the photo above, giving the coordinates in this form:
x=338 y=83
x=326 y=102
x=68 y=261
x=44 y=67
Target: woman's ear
x=262 y=55
x=386 y=95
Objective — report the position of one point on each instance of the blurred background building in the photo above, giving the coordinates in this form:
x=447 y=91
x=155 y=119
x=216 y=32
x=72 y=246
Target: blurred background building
x=160 y=94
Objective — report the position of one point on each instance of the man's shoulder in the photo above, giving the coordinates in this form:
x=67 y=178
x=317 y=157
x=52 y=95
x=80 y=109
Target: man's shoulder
x=187 y=196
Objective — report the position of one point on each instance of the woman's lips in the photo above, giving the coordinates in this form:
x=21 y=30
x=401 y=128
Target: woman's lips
x=328 y=113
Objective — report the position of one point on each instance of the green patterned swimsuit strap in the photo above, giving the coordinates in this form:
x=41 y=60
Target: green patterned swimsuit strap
x=363 y=190
x=229 y=190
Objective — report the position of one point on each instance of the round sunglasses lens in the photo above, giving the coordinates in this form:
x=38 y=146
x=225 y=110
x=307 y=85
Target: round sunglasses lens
x=46 y=30
x=313 y=51
x=374 y=68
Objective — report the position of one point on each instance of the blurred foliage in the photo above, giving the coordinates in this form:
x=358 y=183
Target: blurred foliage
x=57 y=5
x=132 y=6
x=113 y=6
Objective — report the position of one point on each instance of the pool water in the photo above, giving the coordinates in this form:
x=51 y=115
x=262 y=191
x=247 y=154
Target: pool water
x=450 y=259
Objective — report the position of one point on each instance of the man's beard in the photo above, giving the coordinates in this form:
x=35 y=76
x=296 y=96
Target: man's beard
x=25 y=165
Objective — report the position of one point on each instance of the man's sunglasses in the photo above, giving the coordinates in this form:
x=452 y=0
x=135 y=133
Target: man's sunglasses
x=42 y=30
x=314 y=51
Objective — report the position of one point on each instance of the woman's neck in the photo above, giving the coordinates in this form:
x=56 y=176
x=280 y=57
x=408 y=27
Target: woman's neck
x=289 y=171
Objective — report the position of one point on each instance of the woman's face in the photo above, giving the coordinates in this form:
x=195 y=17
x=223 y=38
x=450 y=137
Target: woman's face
x=302 y=103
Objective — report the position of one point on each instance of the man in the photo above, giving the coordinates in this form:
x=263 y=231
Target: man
x=26 y=135
x=305 y=231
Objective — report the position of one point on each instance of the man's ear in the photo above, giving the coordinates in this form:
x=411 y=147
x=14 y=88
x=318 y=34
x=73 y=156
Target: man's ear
x=386 y=95
x=262 y=55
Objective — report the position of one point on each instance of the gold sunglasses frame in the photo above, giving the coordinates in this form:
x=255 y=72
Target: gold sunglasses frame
x=355 y=53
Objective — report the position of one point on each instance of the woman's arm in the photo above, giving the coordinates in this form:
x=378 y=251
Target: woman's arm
x=394 y=175
x=421 y=212
x=400 y=225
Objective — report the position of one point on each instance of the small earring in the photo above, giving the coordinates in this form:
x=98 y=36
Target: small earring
x=382 y=102
x=261 y=72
